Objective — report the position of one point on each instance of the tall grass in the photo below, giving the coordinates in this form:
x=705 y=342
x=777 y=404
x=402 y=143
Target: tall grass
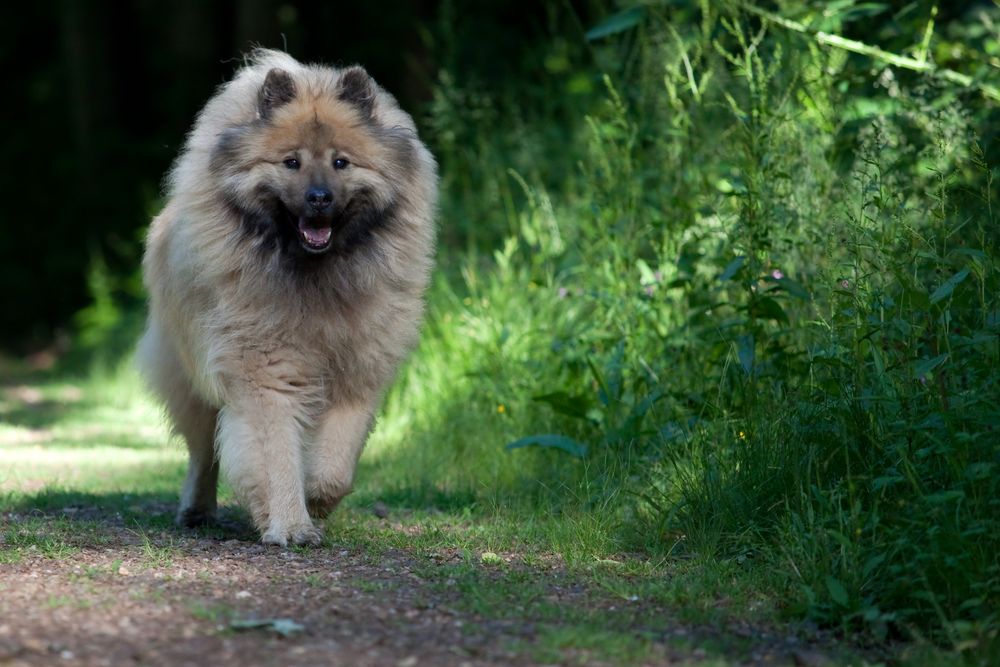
x=747 y=306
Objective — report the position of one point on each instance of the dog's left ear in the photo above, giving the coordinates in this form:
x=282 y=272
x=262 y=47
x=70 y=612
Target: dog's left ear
x=358 y=88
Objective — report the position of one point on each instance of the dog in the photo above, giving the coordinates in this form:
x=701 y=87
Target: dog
x=286 y=278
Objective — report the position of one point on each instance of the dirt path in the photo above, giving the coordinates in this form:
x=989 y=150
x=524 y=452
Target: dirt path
x=110 y=606
x=134 y=602
x=125 y=597
x=93 y=572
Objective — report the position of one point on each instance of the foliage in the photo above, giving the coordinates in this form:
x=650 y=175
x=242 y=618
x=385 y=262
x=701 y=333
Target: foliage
x=761 y=315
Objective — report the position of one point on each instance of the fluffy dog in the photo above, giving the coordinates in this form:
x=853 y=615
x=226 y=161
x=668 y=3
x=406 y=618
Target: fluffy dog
x=286 y=277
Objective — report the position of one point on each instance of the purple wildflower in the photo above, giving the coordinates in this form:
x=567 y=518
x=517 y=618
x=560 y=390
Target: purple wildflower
x=777 y=274
x=563 y=292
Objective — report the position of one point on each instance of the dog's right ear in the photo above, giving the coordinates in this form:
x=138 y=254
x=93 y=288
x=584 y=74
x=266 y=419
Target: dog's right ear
x=278 y=90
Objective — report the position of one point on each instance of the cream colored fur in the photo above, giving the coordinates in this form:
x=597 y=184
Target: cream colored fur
x=273 y=378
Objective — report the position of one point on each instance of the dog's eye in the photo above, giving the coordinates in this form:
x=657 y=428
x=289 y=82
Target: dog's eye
x=340 y=163
x=291 y=163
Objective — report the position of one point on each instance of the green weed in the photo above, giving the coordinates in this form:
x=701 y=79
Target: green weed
x=756 y=324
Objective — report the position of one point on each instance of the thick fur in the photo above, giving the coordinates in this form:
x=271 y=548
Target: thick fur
x=271 y=356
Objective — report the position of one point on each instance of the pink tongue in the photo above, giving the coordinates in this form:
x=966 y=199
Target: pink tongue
x=316 y=236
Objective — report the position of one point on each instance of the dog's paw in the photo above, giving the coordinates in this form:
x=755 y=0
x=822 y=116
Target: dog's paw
x=307 y=535
x=193 y=517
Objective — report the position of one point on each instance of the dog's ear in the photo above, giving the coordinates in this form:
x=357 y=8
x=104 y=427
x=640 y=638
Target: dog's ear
x=356 y=87
x=278 y=89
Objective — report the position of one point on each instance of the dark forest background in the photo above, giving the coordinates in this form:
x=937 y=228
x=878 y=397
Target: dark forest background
x=99 y=96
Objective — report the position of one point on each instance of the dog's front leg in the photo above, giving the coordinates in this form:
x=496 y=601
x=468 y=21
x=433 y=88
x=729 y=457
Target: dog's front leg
x=333 y=455
x=260 y=451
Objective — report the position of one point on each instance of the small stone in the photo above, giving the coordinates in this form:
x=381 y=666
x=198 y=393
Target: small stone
x=242 y=595
x=34 y=644
x=409 y=661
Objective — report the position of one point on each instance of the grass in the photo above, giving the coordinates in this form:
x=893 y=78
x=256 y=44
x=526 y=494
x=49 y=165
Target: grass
x=495 y=564
x=753 y=320
x=758 y=322
x=567 y=574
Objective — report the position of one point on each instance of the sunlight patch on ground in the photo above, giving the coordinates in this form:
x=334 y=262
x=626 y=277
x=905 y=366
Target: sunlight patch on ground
x=129 y=435
x=97 y=456
x=83 y=435
x=28 y=469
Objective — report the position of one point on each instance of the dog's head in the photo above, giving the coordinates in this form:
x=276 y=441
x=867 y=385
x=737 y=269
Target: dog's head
x=315 y=171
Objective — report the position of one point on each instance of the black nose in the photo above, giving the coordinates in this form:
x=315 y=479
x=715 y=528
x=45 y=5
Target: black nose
x=319 y=198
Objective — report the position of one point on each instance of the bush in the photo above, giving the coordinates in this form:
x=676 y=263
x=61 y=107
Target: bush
x=758 y=306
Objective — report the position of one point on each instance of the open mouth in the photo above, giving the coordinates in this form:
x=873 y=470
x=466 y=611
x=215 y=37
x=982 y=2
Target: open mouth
x=314 y=234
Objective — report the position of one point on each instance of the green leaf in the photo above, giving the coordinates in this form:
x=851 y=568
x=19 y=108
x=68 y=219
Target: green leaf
x=948 y=286
x=886 y=481
x=840 y=538
x=577 y=406
x=972 y=603
x=924 y=366
x=646 y=275
x=837 y=591
x=872 y=614
x=632 y=427
x=732 y=268
x=981 y=470
x=871 y=564
x=835 y=18
x=549 y=440
x=746 y=352
x=609 y=383
x=602 y=387
x=942 y=497
x=643 y=406
x=616 y=23
x=794 y=288
x=914 y=291
x=766 y=308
